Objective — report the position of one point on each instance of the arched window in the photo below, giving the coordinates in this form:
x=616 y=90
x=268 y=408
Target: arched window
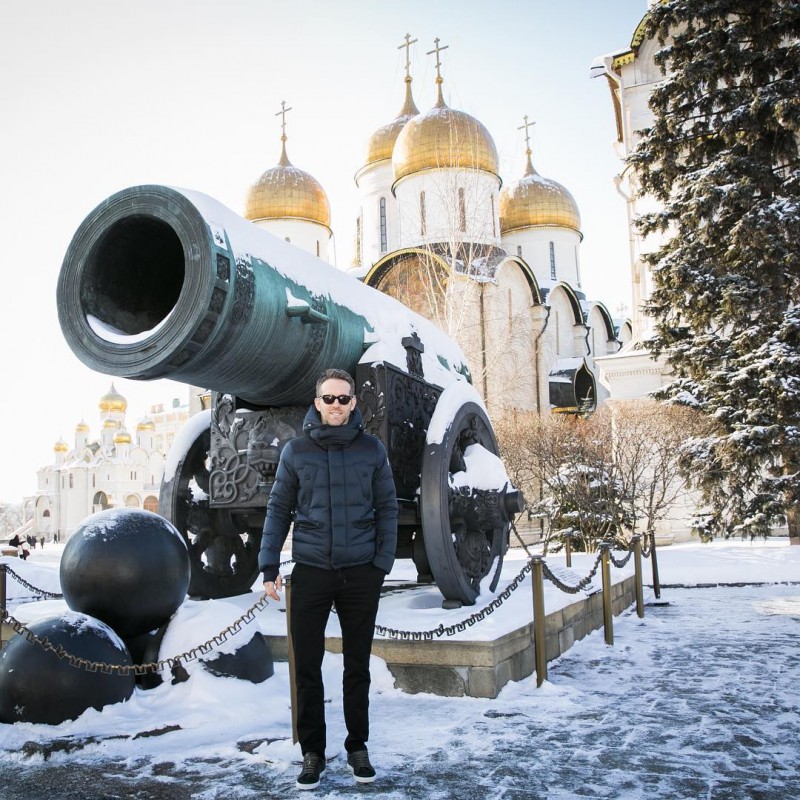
x=317 y=248
x=552 y=260
x=151 y=504
x=577 y=267
x=422 y=225
x=71 y=481
x=494 y=225
x=384 y=239
x=519 y=250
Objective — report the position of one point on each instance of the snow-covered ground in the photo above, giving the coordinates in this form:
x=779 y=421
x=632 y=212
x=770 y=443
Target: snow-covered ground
x=698 y=699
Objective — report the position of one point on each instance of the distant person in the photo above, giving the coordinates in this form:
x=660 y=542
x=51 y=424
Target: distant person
x=25 y=548
x=15 y=541
x=335 y=484
x=41 y=542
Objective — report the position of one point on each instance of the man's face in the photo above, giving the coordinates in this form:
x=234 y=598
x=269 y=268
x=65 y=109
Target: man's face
x=334 y=414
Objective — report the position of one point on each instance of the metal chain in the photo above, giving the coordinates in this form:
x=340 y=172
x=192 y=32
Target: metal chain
x=619 y=564
x=645 y=548
x=458 y=627
x=582 y=584
x=137 y=669
x=20 y=580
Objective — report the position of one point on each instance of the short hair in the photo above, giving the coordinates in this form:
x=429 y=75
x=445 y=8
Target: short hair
x=339 y=375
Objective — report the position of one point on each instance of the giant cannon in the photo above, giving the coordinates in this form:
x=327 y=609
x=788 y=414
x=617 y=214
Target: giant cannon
x=167 y=283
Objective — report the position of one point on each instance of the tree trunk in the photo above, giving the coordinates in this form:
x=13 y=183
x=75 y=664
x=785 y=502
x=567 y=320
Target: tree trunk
x=793 y=521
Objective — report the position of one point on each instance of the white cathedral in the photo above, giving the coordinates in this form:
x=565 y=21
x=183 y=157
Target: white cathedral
x=496 y=266
x=114 y=469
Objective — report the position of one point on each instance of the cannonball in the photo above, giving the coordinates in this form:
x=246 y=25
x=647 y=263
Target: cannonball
x=37 y=685
x=127 y=567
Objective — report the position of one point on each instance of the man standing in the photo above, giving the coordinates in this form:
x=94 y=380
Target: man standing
x=335 y=485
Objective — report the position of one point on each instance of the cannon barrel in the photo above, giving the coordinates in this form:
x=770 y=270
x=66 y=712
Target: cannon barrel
x=161 y=282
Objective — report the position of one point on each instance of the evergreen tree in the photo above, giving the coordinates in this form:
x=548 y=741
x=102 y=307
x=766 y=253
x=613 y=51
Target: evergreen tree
x=721 y=157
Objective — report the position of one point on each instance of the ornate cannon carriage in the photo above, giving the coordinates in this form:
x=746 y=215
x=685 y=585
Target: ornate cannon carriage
x=166 y=283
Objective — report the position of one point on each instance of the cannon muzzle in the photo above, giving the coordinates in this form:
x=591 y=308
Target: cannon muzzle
x=167 y=283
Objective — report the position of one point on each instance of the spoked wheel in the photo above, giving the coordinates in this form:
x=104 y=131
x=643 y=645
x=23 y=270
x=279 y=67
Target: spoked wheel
x=465 y=521
x=223 y=547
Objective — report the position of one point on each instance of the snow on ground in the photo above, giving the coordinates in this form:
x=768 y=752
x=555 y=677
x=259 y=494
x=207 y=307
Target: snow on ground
x=698 y=699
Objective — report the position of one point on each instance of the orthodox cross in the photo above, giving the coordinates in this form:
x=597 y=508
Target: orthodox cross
x=438 y=50
x=525 y=126
x=408 y=42
x=282 y=115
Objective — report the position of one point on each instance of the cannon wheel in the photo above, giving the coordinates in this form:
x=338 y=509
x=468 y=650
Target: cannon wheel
x=223 y=548
x=460 y=557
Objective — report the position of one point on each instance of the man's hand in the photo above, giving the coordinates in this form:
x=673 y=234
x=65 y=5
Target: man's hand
x=271 y=588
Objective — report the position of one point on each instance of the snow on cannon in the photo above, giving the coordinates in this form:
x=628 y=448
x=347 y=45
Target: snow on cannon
x=167 y=283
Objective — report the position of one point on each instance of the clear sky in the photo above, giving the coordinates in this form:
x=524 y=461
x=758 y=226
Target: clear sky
x=96 y=96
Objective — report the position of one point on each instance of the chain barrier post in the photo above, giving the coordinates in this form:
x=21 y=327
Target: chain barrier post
x=608 y=616
x=287 y=588
x=539 y=636
x=636 y=541
x=2 y=604
x=568 y=545
x=654 y=562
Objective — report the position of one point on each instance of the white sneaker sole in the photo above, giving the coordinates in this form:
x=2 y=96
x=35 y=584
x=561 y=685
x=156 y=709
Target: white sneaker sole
x=304 y=786
x=359 y=779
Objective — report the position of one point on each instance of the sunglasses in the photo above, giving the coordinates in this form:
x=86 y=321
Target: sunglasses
x=329 y=399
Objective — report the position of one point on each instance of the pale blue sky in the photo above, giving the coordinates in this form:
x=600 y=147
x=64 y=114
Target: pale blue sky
x=96 y=96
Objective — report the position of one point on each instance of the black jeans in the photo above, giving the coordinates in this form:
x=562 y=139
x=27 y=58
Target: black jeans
x=355 y=591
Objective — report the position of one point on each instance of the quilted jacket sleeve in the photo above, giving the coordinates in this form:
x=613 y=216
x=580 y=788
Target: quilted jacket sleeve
x=280 y=509
x=385 y=499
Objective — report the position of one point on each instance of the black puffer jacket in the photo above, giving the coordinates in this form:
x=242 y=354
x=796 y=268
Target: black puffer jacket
x=336 y=485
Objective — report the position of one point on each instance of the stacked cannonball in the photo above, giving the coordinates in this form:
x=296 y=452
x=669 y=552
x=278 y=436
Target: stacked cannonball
x=124 y=573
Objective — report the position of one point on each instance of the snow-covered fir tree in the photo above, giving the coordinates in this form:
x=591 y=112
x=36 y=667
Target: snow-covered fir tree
x=722 y=159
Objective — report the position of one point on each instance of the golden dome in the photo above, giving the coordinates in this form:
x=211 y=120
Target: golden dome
x=122 y=437
x=381 y=143
x=534 y=200
x=110 y=424
x=146 y=424
x=443 y=138
x=286 y=192
x=81 y=427
x=113 y=401
x=60 y=447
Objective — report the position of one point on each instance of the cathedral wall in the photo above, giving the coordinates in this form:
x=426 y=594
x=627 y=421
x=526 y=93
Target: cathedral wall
x=561 y=262
x=448 y=205
x=304 y=234
x=510 y=340
x=375 y=184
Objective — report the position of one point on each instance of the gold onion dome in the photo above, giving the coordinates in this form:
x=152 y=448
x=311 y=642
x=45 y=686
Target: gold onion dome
x=286 y=192
x=81 y=427
x=113 y=401
x=122 y=437
x=60 y=447
x=381 y=144
x=534 y=200
x=146 y=424
x=444 y=138
x=110 y=424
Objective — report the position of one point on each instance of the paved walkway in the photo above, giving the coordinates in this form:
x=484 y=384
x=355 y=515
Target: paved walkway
x=700 y=700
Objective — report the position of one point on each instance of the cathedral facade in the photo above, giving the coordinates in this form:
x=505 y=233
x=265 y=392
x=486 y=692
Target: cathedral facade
x=114 y=469
x=494 y=265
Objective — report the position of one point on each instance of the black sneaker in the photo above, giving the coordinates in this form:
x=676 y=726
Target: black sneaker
x=313 y=770
x=360 y=767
